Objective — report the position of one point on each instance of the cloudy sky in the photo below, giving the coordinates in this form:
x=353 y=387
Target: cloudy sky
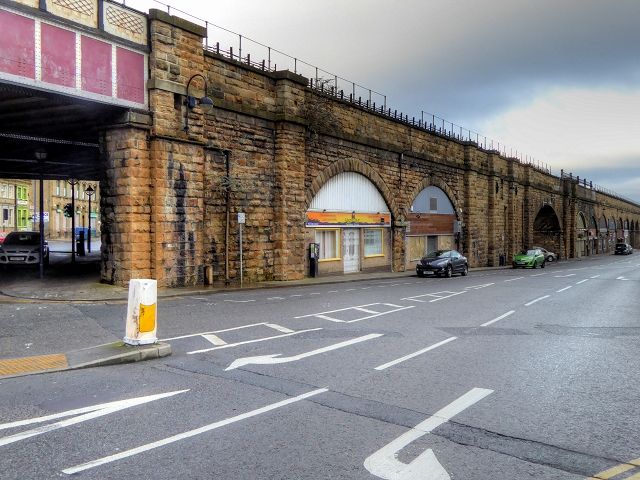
x=557 y=80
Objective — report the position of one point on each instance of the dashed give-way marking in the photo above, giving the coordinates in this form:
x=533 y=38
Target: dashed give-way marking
x=276 y=358
x=385 y=464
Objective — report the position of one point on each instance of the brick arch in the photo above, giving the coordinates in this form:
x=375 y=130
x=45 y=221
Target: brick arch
x=357 y=166
x=436 y=182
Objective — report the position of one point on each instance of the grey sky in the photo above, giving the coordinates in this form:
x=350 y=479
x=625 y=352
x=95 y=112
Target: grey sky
x=559 y=80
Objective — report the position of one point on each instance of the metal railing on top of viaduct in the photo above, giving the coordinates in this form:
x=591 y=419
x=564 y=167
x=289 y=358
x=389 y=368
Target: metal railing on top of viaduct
x=343 y=89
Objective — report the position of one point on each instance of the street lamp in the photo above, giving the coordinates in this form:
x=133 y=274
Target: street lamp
x=73 y=182
x=90 y=192
x=206 y=104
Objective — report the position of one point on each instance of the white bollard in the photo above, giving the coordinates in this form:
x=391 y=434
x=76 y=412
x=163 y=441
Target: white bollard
x=141 y=312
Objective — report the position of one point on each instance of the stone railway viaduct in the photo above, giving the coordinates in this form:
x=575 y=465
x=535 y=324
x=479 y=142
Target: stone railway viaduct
x=170 y=197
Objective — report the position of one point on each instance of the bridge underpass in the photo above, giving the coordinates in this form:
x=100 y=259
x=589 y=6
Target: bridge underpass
x=49 y=137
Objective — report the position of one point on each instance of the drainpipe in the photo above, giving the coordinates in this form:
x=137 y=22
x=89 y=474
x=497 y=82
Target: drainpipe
x=228 y=216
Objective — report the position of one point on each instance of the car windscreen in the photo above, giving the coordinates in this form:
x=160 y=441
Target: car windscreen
x=529 y=253
x=439 y=254
x=21 y=238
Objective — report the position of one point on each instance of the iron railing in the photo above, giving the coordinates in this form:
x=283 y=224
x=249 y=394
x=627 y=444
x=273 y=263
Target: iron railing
x=589 y=185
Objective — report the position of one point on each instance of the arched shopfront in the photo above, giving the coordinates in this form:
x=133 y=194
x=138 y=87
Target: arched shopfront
x=602 y=234
x=350 y=221
x=582 y=236
x=432 y=220
x=593 y=237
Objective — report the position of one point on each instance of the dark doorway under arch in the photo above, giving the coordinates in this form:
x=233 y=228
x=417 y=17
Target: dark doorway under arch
x=546 y=230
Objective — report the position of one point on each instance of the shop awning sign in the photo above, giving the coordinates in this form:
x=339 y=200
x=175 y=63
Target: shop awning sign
x=351 y=219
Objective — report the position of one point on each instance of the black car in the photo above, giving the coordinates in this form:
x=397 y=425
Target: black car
x=623 y=249
x=442 y=262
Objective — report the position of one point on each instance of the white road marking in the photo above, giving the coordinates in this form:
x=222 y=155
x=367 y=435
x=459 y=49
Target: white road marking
x=538 y=274
x=332 y=291
x=621 y=278
x=200 y=298
x=478 y=287
x=257 y=340
x=327 y=317
x=384 y=366
x=210 y=337
x=214 y=331
x=563 y=289
x=280 y=328
x=374 y=313
x=191 y=433
x=595 y=276
x=385 y=464
x=350 y=289
x=360 y=309
x=565 y=276
x=582 y=281
x=84 y=414
x=437 y=295
x=315 y=293
x=275 y=298
x=275 y=358
x=510 y=312
x=239 y=301
x=296 y=295
x=536 y=300
x=514 y=279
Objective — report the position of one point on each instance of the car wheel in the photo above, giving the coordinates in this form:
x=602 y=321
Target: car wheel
x=465 y=270
x=448 y=271
x=542 y=266
x=549 y=258
x=420 y=274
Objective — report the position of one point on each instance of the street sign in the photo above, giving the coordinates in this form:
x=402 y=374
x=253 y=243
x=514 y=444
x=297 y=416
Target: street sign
x=241 y=217
x=36 y=217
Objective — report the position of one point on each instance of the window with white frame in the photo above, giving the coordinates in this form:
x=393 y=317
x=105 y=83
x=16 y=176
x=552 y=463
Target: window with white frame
x=373 y=242
x=4 y=190
x=7 y=216
x=328 y=241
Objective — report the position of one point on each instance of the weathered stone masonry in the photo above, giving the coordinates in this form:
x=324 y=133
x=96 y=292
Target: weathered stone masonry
x=167 y=193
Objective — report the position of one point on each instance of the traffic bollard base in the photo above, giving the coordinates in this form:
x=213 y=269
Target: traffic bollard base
x=139 y=341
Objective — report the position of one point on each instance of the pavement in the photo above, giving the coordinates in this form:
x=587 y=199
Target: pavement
x=79 y=283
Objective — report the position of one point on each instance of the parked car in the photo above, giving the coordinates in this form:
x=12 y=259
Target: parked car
x=548 y=256
x=443 y=263
x=532 y=258
x=623 y=249
x=2 y=237
x=22 y=248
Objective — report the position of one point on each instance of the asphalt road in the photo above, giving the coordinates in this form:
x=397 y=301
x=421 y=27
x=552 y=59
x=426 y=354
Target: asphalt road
x=512 y=374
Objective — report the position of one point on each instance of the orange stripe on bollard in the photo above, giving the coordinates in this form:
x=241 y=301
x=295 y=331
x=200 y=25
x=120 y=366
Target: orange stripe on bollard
x=147 y=318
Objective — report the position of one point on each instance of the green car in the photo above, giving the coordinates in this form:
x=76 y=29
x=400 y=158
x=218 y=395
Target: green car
x=529 y=258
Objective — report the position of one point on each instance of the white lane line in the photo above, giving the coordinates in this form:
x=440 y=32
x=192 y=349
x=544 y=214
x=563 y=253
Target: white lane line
x=191 y=433
x=385 y=464
x=365 y=288
x=536 y=300
x=87 y=413
x=332 y=291
x=565 y=276
x=280 y=328
x=214 y=331
x=326 y=317
x=246 y=342
x=210 y=337
x=275 y=298
x=296 y=295
x=595 y=276
x=538 y=274
x=239 y=301
x=563 y=289
x=510 y=312
x=384 y=366
x=315 y=293
x=621 y=278
x=514 y=279
x=582 y=281
x=200 y=298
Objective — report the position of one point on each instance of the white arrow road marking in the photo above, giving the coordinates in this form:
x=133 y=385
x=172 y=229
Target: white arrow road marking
x=86 y=413
x=271 y=359
x=385 y=464
x=256 y=340
x=414 y=354
x=190 y=433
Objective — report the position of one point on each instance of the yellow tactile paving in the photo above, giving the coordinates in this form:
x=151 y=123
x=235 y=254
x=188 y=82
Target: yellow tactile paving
x=16 y=366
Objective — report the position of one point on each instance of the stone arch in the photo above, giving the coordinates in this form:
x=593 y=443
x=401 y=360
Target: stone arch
x=582 y=236
x=357 y=166
x=547 y=232
x=436 y=182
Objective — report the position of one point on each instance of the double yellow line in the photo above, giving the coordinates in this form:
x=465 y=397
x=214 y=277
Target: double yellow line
x=618 y=469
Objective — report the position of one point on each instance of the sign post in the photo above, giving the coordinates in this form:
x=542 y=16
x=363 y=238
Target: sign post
x=241 y=222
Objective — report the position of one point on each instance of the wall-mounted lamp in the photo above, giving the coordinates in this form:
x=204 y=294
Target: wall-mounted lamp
x=205 y=103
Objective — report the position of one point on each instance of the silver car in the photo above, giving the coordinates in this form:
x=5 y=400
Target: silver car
x=548 y=256
x=22 y=248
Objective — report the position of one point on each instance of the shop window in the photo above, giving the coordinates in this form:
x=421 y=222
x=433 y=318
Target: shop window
x=7 y=216
x=329 y=246
x=22 y=193
x=373 y=242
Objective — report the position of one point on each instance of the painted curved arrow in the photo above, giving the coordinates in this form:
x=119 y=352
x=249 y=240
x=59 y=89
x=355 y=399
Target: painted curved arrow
x=276 y=358
x=385 y=464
